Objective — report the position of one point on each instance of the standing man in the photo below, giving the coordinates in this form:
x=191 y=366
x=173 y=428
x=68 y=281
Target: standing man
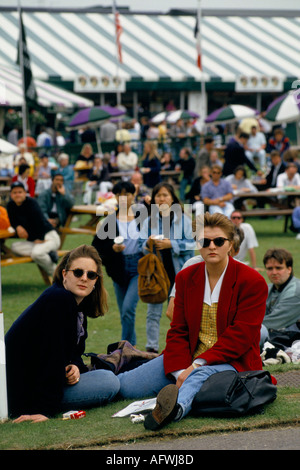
x=37 y=236
x=186 y=164
x=249 y=243
x=283 y=302
x=235 y=155
x=203 y=157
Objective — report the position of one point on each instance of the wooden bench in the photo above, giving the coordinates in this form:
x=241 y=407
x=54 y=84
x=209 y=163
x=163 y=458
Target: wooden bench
x=270 y=213
x=11 y=259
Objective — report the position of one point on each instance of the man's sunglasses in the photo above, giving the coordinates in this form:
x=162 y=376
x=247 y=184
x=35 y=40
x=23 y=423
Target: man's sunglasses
x=219 y=241
x=91 y=275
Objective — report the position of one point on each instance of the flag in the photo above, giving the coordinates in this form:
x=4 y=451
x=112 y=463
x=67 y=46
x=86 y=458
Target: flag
x=30 y=93
x=198 y=42
x=119 y=31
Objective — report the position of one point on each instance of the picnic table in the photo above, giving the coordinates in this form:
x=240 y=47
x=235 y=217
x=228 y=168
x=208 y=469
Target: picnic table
x=89 y=228
x=8 y=258
x=282 y=205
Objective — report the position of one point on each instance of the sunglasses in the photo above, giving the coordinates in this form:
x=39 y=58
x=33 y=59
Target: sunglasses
x=236 y=217
x=91 y=275
x=219 y=241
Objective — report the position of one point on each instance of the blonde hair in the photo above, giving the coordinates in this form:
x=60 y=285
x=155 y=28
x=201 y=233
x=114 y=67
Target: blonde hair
x=214 y=220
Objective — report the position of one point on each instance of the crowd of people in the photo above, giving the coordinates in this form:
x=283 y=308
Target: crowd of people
x=222 y=312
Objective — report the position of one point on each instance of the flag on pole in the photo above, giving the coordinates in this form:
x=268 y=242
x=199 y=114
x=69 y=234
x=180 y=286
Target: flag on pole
x=119 y=31
x=198 y=41
x=30 y=93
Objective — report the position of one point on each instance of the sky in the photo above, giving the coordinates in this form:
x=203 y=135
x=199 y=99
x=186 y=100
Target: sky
x=159 y=5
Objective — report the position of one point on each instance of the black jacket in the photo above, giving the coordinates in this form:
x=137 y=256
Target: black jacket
x=39 y=345
x=103 y=242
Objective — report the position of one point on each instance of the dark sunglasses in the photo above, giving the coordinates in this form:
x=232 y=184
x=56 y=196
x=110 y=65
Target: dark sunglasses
x=219 y=241
x=91 y=275
x=236 y=217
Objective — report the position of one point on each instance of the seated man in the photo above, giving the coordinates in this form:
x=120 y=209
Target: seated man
x=217 y=193
x=98 y=180
x=39 y=237
x=283 y=302
x=250 y=241
x=55 y=202
x=127 y=160
x=256 y=146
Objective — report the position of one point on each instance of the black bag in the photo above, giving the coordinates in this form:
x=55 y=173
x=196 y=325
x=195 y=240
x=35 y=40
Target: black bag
x=229 y=393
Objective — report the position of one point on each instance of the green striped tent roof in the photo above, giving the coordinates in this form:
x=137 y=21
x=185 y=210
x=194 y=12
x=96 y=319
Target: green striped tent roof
x=154 y=47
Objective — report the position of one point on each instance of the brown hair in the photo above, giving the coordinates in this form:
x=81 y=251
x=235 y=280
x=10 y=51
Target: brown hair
x=279 y=254
x=214 y=220
x=95 y=304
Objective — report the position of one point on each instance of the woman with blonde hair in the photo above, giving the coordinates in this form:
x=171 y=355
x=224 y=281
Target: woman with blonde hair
x=45 y=371
x=218 y=311
x=151 y=164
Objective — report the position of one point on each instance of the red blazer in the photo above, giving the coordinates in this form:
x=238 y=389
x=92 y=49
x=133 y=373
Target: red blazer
x=241 y=309
x=30 y=183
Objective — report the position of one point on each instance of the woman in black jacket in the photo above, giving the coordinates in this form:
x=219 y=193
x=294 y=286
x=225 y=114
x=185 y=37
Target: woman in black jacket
x=45 y=371
x=117 y=242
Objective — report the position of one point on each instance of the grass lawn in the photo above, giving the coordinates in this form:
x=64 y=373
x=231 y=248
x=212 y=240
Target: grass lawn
x=22 y=284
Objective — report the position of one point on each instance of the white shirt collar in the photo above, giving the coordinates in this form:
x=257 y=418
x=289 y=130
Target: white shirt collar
x=213 y=297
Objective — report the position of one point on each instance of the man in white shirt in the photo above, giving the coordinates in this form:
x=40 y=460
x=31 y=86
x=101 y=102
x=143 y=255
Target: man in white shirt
x=256 y=146
x=249 y=243
x=290 y=178
x=127 y=160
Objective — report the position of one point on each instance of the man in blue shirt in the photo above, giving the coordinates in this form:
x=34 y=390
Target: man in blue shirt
x=217 y=193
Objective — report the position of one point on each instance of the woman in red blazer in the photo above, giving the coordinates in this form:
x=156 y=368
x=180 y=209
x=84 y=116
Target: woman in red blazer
x=24 y=178
x=218 y=311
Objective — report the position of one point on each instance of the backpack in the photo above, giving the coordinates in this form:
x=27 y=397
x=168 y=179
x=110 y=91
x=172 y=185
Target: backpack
x=231 y=394
x=153 y=280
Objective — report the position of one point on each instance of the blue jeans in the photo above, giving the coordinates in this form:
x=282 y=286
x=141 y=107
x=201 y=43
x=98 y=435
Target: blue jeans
x=154 y=312
x=148 y=379
x=95 y=388
x=127 y=298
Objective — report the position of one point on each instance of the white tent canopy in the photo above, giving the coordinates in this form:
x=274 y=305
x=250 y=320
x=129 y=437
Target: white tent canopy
x=49 y=96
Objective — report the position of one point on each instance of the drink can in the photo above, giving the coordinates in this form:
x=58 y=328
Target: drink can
x=74 y=414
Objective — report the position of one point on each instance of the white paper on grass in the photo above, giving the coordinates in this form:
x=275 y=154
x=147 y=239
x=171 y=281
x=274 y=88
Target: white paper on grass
x=136 y=407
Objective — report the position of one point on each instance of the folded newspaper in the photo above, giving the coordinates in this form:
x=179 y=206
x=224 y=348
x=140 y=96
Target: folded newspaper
x=136 y=408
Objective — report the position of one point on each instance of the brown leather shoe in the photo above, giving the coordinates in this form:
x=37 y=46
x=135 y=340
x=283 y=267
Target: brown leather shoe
x=165 y=410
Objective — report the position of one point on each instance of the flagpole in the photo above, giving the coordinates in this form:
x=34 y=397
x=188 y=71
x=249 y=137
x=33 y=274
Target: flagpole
x=114 y=10
x=21 y=58
x=3 y=386
x=203 y=104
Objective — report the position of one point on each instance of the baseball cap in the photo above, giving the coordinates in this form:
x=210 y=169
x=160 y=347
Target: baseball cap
x=17 y=184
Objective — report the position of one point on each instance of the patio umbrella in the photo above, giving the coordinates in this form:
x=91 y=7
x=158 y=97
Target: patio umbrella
x=93 y=117
x=231 y=113
x=284 y=109
x=160 y=117
x=173 y=116
x=181 y=114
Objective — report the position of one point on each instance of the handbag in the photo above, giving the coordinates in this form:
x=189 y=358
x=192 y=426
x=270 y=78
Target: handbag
x=153 y=280
x=231 y=393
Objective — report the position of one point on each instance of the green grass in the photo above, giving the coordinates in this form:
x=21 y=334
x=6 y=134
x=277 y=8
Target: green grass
x=22 y=284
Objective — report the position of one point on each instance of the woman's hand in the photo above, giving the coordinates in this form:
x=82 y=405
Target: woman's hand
x=33 y=418
x=72 y=374
x=184 y=375
x=118 y=248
